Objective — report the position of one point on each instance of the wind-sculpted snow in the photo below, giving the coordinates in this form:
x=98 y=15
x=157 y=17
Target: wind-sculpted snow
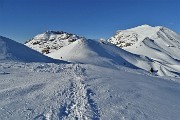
x=107 y=55
x=101 y=54
x=13 y=51
x=160 y=44
x=89 y=52
x=59 y=92
x=48 y=91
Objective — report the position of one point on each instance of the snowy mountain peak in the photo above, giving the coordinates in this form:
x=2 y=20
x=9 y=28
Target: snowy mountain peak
x=158 y=43
x=50 y=41
x=134 y=36
x=144 y=26
x=13 y=51
x=52 y=35
x=155 y=48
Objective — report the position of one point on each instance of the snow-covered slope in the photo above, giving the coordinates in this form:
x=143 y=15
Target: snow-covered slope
x=11 y=50
x=100 y=53
x=160 y=44
x=85 y=92
x=98 y=89
x=154 y=49
x=51 y=41
x=105 y=54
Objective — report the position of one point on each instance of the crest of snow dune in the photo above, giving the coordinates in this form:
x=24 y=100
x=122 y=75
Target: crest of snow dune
x=11 y=50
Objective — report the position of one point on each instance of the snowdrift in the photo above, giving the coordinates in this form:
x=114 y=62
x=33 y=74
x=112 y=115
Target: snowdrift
x=13 y=51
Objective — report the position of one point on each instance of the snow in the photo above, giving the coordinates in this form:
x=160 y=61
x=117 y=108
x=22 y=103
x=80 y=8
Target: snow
x=13 y=51
x=102 y=54
x=84 y=91
x=51 y=40
x=88 y=52
x=99 y=81
x=152 y=47
x=158 y=43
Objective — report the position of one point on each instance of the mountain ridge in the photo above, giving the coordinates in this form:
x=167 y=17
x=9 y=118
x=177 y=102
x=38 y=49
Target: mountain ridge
x=155 y=48
x=158 y=43
x=14 y=51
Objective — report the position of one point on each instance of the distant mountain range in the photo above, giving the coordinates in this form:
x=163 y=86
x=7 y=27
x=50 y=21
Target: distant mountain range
x=147 y=40
x=153 y=49
x=158 y=46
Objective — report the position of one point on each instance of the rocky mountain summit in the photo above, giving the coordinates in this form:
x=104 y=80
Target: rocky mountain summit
x=50 y=41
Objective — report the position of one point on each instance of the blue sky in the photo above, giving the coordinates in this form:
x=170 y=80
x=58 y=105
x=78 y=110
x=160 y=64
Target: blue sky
x=23 y=19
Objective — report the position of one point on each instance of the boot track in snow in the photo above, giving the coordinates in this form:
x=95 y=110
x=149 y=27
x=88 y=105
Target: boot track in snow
x=79 y=104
